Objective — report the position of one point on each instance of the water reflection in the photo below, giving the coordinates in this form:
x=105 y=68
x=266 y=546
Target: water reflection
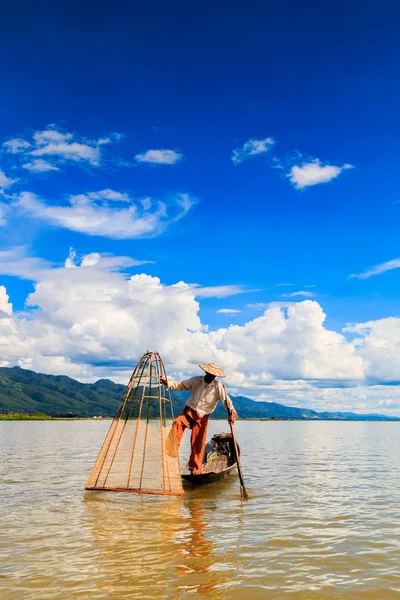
x=150 y=547
x=322 y=521
x=202 y=565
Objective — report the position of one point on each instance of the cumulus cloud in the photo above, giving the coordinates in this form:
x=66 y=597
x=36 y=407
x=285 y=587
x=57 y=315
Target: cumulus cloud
x=100 y=213
x=379 y=346
x=378 y=270
x=251 y=148
x=5 y=181
x=5 y=305
x=13 y=343
x=89 y=313
x=159 y=157
x=90 y=319
x=293 y=345
x=313 y=173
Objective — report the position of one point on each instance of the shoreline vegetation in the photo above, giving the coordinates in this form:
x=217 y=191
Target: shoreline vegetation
x=25 y=417
x=24 y=392
x=43 y=417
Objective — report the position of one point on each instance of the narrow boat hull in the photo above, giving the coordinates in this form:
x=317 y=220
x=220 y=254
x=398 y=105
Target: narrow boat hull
x=208 y=477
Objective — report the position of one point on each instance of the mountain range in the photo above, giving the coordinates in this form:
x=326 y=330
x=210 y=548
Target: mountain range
x=25 y=391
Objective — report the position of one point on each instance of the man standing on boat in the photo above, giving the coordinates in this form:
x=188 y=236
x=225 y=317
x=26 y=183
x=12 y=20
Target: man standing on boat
x=203 y=399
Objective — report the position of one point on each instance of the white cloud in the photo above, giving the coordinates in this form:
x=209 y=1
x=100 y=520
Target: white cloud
x=86 y=199
x=58 y=147
x=39 y=166
x=379 y=346
x=283 y=284
x=89 y=320
x=111 y=139
x=110 y=195
x=104 y=261
x=382 y=268
x=17 y=262
x=292 y=345
x=91 y=314
x=159 y=157
x=52 y=142
x=13 y=343
x=98 y=213
x=5 y=305
x=5 y=181
x=16 y=145
x=74 y=151
x=314 y=172
x=375 y=398
x=299 y=293
x=218 y=291
x=251 y=148
x=51 y=135
x=70 y=260
x=276 y=163
x=228 y=311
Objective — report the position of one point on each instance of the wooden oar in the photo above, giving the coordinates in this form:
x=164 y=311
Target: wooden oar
x=243 y=492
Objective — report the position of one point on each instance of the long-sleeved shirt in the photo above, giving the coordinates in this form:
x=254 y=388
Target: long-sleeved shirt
x=204 y=396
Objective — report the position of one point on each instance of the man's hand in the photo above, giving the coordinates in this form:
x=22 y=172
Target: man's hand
x=163 y=381
x=232 y=416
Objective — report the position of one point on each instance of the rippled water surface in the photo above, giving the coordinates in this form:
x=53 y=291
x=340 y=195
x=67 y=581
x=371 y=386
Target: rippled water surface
x=322 y=522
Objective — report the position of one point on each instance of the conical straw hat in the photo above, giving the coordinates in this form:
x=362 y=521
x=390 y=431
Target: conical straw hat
x=213 y=369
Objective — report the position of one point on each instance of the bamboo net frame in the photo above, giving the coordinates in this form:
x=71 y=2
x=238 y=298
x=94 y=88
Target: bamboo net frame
x=137 y=454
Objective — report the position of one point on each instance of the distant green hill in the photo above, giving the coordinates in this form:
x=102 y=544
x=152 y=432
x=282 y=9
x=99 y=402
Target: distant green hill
x=60 y=396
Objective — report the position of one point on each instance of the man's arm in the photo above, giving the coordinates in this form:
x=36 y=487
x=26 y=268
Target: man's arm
x=227 y=402
x=177 y=385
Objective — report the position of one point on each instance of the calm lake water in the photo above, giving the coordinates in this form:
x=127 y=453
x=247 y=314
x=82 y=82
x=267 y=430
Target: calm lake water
x=322 y=522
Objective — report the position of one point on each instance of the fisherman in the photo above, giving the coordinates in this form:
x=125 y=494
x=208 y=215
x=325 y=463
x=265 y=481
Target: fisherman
x=203 y=399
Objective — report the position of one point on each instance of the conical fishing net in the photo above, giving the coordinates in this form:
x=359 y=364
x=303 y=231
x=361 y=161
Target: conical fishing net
x=138 y=455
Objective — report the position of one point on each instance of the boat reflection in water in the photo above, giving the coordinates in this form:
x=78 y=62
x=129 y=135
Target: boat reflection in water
x=150 y=547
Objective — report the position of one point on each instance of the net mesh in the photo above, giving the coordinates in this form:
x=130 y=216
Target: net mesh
x=138 y=454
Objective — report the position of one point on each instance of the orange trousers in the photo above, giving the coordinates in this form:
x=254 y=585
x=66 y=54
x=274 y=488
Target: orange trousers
x=189 y=419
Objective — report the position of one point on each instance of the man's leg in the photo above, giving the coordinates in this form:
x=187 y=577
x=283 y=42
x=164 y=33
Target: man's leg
x=175 y=435
x=198 y=441
x=181 y=423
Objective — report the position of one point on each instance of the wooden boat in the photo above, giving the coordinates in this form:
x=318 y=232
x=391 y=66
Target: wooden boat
x=218 y=462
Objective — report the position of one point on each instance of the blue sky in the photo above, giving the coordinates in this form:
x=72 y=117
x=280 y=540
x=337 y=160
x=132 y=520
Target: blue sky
x=313 y=90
